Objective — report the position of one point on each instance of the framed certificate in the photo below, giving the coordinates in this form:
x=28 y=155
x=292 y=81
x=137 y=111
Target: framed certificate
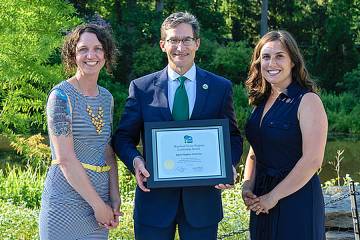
x=188 y=153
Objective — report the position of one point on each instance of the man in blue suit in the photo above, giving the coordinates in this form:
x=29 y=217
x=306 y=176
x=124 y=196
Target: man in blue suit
x=196 y=211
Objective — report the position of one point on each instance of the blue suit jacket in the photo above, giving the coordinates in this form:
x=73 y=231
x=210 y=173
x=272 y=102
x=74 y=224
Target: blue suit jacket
x=147 y=102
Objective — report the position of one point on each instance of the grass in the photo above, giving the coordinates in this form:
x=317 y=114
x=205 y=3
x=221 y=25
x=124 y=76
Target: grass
x=18 y=222
x=21 y=186
x=20 y=195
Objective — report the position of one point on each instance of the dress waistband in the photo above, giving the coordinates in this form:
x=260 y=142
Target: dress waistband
x=272 y=172
x=89 y=166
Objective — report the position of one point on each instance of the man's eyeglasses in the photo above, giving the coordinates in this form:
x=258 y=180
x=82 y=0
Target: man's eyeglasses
x=186 y=41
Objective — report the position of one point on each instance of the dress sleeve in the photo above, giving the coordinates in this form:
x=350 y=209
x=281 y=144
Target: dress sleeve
x=59 y=113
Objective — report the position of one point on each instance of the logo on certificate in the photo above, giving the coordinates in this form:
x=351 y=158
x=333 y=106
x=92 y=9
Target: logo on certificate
x=169 y=164
x=188 y=139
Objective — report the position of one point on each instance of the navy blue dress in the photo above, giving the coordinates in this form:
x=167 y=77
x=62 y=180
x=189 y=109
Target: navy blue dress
x=277 y=145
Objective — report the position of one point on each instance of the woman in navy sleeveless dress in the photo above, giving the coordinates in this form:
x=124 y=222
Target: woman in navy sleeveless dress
x=287 y=133
x=81 y=194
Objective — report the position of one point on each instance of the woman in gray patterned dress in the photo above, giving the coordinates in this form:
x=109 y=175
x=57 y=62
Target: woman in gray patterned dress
x=81 y=194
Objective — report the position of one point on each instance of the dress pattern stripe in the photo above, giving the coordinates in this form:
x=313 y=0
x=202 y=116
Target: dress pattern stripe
x=64 y=214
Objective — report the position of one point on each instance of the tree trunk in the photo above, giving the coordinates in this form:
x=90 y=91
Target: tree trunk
x=264 y=17
x=159 y=5
x=118 y=11
x=236 y=29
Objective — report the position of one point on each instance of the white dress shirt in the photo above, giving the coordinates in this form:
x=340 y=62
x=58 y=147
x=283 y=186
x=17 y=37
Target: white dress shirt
x=190 y=86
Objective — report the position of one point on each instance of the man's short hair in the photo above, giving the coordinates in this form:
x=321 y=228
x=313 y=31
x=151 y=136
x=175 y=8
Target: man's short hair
x=177 y=18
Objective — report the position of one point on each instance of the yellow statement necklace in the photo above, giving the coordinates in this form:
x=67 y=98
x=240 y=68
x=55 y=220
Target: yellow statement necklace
x=96 y=119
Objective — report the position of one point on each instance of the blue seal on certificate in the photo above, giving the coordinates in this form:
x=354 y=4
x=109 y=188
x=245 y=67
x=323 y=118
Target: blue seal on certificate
x=188 y=139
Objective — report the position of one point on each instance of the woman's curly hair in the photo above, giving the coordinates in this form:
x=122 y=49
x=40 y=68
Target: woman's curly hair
x=68 y=52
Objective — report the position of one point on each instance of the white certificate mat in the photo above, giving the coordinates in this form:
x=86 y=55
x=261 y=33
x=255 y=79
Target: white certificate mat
x=188 y=154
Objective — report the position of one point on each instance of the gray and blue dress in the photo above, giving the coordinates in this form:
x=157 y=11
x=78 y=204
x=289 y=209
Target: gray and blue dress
x=64 y=213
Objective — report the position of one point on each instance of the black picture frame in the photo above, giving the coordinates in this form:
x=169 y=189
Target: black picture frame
x=219 y=126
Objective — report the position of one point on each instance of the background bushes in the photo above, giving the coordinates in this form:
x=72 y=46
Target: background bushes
x=33 y=31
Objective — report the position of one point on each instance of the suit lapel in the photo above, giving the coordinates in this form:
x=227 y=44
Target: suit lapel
x=202 y=85
x=161 y=92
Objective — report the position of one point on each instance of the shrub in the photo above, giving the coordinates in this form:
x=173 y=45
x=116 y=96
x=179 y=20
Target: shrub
x=126 y=181
x=205 y=53
x=342 y=111
x=351 y=81
x=242 y=108
x=32 y=33
x=20 y=192
x=147 y=59
x=33 y=150
x=125 y=229
x=18 y=222
x=232 y=61
x=236 y=217
x=120 y=94
x=21 y=186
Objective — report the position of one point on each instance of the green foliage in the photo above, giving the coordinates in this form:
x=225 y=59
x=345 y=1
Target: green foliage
x=134 y=24
x=242 y=108
x=232 y=61
x=350 y=144
x=236 y=217
x=147 y=59
x=126 y=181
x=352 y=81
x=18 y=222
x=335 y=182
x=119 y=92
x=21 y=186
x=127 y=189
x=337 y=163
x=337 y=53
x=329 y=34
x=205 y=53
x=342 y=111
x=20 y=192
x=235 y=214
x=125 y=230
x=29 y=63
x=31 y=33
x=242 y=18
x=33 y=150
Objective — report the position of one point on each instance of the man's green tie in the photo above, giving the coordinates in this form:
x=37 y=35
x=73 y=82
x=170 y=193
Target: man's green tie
x=180 y=109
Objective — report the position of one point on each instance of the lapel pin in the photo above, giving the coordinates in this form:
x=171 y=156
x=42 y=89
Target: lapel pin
x=205 y=86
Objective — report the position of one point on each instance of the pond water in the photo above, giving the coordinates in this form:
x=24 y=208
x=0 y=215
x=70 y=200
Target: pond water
x=349 y=165
x=351 y=157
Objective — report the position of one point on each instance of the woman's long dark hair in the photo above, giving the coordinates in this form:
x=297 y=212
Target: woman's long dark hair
x=258 y=88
